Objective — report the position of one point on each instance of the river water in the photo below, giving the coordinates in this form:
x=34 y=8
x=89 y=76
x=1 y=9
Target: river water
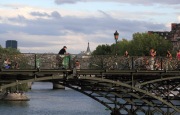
x=46 y=101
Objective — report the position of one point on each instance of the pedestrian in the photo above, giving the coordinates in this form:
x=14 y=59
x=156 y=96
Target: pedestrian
x=63 y=51
x=126 y=54
x=152 y=61
x=126 y=61
x=77 y=64
x=168 y=62
x=169 y=55
x=178 y=55
x=63 y=58
x=7 y=63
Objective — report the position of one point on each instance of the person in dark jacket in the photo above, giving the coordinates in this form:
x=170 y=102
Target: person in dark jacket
x=63 y=58
x=63 y=50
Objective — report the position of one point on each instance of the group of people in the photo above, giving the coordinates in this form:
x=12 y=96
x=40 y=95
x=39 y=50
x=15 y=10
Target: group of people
x=151 y=64
x=155 y=64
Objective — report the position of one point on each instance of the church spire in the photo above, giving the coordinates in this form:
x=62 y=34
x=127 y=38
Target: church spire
x=88 y=51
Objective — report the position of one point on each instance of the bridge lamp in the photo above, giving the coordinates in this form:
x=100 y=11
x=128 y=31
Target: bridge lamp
x=116 y=35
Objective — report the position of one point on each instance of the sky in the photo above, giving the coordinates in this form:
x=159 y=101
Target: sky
x=45 y=26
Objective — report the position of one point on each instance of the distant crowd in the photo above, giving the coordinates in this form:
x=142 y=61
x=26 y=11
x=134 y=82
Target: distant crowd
x=151 y=64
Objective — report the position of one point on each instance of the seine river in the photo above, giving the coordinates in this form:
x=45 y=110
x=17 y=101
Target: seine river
x=45 y=101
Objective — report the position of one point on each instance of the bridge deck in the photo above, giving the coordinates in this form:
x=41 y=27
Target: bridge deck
x=136 y=74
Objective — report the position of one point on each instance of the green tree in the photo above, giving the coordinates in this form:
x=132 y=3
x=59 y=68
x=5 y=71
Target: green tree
x=120 y=47
x=140 y=45
x=10 y=53
x=143 y=42
x=102 y=50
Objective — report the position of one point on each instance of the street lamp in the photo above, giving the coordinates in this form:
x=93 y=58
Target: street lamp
x=116 y=35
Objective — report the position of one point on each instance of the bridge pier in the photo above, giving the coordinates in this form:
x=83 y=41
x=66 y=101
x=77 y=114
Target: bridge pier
x=56 y=85
x=29 y=85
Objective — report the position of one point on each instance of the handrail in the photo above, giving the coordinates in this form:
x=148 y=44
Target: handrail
x=108 y=62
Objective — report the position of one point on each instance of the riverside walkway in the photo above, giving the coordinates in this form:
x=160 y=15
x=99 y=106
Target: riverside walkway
x=131 y=85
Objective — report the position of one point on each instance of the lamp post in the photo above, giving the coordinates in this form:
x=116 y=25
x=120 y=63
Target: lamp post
x=115 y=111
x=116 y=35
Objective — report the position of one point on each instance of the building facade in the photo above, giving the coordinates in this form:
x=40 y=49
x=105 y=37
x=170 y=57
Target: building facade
x=11 y=44
x=173 y=35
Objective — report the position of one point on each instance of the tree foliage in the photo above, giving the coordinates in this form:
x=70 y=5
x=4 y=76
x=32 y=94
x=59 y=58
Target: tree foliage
x=102 y=50
x=140 y=45
x=10 y=53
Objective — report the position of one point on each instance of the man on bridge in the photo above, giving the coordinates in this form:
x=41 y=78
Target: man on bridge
x=63 y=50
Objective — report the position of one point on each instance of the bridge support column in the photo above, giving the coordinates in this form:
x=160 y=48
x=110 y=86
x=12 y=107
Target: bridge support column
x=56 y=85
x=29 y=85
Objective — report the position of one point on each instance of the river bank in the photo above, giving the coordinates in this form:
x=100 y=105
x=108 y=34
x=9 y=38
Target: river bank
x=17 y=96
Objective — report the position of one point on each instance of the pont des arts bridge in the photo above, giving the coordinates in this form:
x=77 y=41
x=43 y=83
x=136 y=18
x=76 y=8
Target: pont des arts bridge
x=124 y=85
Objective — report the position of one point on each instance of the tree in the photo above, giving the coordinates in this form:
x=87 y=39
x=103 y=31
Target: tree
x=102 y=50
x=143 y=42
x=10 y=53
x=140 y=45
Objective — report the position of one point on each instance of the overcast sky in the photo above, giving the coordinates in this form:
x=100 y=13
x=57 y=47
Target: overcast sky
x=45 y=26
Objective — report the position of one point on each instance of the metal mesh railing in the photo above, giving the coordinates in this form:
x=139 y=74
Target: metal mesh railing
x=55 y=61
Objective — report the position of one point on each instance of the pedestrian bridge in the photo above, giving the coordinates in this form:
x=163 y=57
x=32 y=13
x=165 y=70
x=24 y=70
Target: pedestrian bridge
x=125 y=85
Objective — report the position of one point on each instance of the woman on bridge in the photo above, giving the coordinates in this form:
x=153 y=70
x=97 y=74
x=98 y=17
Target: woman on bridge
x=168 y=62
x=7 y=63
x=152 y=61
x=178 y=55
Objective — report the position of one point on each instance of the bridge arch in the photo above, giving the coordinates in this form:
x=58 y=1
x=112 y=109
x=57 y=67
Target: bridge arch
x=132 y=91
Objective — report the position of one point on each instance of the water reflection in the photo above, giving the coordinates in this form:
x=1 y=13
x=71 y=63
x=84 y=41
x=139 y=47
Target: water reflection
x=14 y=103
x=46 y=101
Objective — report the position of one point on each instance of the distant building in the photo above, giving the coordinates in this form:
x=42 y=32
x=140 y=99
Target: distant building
x=173 y=35
x=11 y=44
x=86 y=53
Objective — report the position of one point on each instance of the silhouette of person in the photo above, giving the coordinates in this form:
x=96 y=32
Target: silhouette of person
x=63 y=50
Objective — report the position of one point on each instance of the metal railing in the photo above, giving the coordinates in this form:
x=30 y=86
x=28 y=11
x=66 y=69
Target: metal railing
x=55 y=61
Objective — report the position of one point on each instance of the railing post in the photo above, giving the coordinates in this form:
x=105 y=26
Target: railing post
x=69 y=61
x=35 y=59
x=132 y=63
x=161 y=63
x=102 y=65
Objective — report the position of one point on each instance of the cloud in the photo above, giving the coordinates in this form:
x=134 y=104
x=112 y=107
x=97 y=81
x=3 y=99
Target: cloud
x=88 y=25
x=143 y=2
x=54 y=14
x=39 y=14
x=67 y=1
x=49 y=35
x=40 y=30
